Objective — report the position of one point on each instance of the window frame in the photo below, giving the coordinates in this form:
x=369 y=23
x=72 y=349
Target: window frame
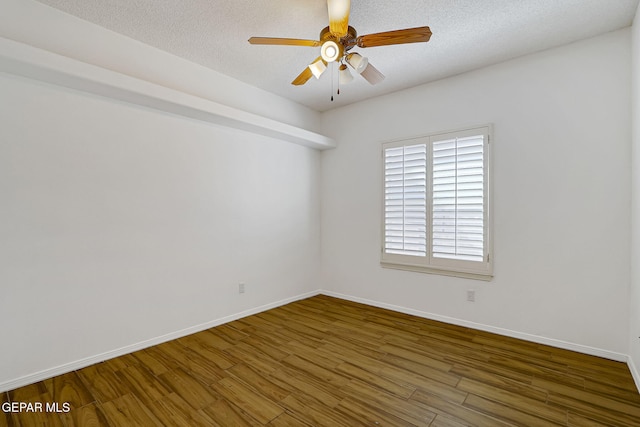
x=481 y=270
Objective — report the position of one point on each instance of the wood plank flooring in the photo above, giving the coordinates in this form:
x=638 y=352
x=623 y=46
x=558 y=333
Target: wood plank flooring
x=328 y=362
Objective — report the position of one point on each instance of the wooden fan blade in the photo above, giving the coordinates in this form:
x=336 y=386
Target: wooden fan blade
x=303 y=77
x=372 y=75
x=339 y=17
x=409 y=35
x=284 y=42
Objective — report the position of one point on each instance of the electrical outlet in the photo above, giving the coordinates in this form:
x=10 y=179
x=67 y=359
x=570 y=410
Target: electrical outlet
x=241 y=288
x=471 y=295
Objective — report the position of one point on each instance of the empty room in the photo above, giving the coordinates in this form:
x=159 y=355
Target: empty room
x=319 y=213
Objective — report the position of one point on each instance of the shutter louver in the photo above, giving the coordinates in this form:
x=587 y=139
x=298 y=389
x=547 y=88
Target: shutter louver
x=458 y=198
x=405 y=222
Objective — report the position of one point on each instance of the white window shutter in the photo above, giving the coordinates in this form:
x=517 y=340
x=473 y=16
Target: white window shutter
x=458 y=198
x=405 y=209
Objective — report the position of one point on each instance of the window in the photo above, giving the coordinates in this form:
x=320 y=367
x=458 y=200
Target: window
x=436 y=204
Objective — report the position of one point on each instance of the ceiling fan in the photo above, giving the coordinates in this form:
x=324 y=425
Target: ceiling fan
x=337 y=40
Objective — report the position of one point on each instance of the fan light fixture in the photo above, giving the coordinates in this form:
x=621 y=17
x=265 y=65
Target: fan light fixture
x=357 y=61
x=318 y=67
x=344 y=75
x=331 y=51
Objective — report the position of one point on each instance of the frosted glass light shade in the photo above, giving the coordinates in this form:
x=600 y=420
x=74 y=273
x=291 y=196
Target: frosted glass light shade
x=318 y=67
x=344 y=75
x=357 y=61
x=331 y=51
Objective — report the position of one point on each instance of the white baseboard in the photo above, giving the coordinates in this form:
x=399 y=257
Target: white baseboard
x=83 y=363
x=634 y=372
x=619 y=357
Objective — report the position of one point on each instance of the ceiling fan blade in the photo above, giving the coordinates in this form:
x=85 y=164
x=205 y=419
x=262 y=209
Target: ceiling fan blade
x=409 y=35
x=320 y=66
x=372 y=75
x=339 y=17
x=284 y=42
x=303 y=77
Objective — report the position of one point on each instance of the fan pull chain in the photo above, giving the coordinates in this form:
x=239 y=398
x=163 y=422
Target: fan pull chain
x=332 y=83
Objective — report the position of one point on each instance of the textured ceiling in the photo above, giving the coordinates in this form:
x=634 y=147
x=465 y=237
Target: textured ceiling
x=467 y=34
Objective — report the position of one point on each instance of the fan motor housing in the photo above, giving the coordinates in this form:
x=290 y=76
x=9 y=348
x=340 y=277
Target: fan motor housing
x=347 y=41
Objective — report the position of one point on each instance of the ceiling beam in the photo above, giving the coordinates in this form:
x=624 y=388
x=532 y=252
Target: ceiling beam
x=34 y=63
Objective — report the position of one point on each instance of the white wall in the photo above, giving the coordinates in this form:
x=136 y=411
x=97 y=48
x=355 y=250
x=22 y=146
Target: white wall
x=561 y=196
x=634 y=330
x=120 y=224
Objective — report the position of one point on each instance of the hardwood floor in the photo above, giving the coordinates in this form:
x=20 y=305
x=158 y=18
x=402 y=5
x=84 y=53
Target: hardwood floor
x=329 y=362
